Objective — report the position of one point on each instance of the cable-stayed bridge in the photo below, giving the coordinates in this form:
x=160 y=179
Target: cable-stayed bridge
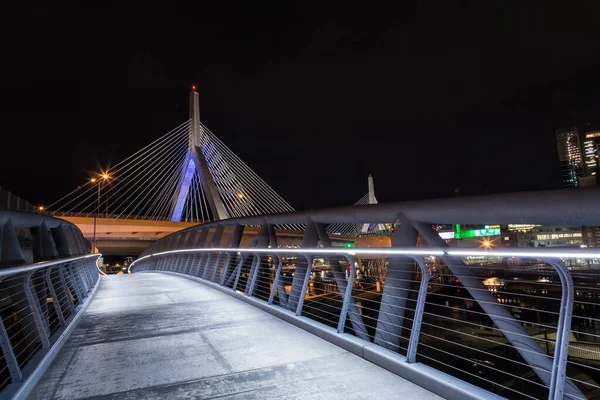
x=463 y=323
x=185 y=177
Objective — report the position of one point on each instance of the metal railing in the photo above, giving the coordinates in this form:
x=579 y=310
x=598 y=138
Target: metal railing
x=482 y=326
x=37 y=303
x=507 y=321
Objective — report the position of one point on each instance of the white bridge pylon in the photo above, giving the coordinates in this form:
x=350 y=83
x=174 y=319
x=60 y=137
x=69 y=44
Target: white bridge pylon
x=228 y=186
x=357 y=229
x=186 y=175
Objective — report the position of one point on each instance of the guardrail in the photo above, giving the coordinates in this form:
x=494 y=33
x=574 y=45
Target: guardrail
x=508 y=328
x=38 y=304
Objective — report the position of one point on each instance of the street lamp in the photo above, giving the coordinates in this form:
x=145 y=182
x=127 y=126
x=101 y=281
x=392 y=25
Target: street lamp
x=104 y=177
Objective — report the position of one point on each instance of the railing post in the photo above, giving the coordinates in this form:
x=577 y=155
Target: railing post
x=262 y=240
x=36 y=312
x=199 y=264
x=188 y=262
x=61 y=274
x=214 y=274
x=310 y=240
x=216 y=239
x=87 y=276
x=9 y=355
x=76 y=269
x=309 y=261
x=282 y=300
x=561 y=347
x=413 y=342
x=252 y=277
x=239 y=272
x=390 y=320
x=236 y=238
x=225 y=269
x=76 y=286
x=358 y=325
x=347 y=296
x=55 y=299
x=206 y=265
x=92 y=270
x=93 y=273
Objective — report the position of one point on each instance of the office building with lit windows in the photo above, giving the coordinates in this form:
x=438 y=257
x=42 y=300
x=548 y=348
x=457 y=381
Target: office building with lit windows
x=578 y=148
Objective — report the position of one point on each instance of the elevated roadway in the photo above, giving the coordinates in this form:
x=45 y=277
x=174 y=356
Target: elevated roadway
x=118 y=236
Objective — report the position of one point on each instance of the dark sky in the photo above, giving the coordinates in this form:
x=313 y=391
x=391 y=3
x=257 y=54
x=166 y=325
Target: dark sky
x=426 y=96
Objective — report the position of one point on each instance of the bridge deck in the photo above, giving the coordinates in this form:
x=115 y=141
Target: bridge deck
x=155 y=336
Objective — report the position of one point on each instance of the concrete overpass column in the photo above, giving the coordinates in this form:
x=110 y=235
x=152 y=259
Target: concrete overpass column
x=303 y=267
x=10 y=249
x=395 y=291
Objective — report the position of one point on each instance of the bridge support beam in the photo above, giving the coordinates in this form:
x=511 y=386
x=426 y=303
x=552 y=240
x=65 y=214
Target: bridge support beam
x=395 y=292
x=242 y=261
x=264 y=238
x=527 y=347
x=303 y=266
x=340 y=280
x=61 y=242
x=10 y=249
x=236 y=239
x=200 y=242
x=43 y=248
x=216 y=239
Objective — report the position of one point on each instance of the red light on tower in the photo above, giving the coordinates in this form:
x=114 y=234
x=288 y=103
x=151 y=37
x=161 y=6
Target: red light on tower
x=193 y=87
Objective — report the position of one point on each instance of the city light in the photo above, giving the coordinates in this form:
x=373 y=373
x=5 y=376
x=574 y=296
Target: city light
x=41 y=208
x=486 y=243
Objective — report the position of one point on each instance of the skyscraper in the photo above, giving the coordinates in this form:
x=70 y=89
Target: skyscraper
x=578 y=149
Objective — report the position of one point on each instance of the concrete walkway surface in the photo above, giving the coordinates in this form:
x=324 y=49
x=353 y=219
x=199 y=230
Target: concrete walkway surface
x=159 y=336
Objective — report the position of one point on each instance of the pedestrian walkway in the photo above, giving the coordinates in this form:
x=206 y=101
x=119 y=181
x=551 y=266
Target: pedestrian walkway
x=159 y=336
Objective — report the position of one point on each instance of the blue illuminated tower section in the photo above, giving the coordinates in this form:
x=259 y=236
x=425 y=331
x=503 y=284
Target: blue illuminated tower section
x=184 y=189
x=195 y=162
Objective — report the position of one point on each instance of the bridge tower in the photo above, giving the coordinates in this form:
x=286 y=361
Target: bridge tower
x=196 y=163
x=372 y=200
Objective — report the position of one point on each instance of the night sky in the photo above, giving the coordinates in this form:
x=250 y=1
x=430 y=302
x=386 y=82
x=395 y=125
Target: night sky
x=426 y=96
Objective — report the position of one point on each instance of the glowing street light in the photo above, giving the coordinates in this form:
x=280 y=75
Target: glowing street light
x=486 y=243
x=102 y=177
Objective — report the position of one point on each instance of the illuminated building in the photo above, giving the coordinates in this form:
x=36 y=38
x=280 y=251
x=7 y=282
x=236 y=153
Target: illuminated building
x=578 y=149
x=557 y=236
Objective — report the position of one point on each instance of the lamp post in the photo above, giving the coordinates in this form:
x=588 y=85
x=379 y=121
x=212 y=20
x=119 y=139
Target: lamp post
x=104 y=177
